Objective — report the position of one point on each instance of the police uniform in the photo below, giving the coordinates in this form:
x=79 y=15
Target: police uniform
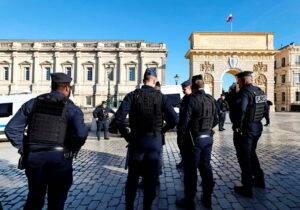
x=223 y=107
x=182 y=107
x=145 y=107
x=102 y=116
x=251 y=107
x=56 y=131
x=195 y=131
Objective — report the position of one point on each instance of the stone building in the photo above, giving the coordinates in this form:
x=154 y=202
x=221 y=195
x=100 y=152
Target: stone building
x=25 y=66
x=287 y=78
x=215 y=53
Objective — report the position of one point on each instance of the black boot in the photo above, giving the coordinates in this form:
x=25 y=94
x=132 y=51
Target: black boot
x=206 y=201
x=186 y=204
x=179 y=165
x=129 y=206
x=260 y=183
x=244 y=191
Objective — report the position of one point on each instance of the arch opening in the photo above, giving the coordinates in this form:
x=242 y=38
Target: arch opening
x=229 y=79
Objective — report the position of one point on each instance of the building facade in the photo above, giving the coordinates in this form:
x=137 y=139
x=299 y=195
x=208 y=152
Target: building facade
x=287 y=78
x=26 y=65
x=215 y=53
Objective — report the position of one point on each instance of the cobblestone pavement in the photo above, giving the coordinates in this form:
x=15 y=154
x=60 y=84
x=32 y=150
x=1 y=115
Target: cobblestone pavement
x=99 y=174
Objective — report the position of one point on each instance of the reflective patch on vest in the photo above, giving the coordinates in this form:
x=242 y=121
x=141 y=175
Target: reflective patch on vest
x=260 y=99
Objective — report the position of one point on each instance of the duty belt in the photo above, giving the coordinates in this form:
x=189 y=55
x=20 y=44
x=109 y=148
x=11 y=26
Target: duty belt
x=47 y=149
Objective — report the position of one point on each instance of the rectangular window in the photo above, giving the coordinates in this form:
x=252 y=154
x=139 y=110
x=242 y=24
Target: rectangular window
x=283 y=97
x=69 y=71
x=297 y=96
x=90 y=73
x=89 y=100
x=275 y=97
x=297 y=77
x=48 y=73
x=297 y=60
x=275 y=64
x=132 y=73
x=282 y=78
x=275 y=79
x=282 y=62
x=6 y=109
x=5 y=73
x=27 y=73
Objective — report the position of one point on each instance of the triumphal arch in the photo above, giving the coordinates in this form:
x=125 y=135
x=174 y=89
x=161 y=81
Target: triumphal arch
x=213 y=54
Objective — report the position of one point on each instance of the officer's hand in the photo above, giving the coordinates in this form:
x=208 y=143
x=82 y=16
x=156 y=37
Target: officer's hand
x=20 y=151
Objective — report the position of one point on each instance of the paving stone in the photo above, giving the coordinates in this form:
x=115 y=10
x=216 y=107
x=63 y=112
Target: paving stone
x=99 y=175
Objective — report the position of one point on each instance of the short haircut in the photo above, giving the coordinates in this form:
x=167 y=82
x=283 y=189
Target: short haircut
x=147 y=77
x=198 y=84
x=59 y=85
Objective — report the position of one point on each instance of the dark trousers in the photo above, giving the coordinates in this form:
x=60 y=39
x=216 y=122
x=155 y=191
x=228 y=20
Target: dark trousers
x=222 y=118
x=48 y=172
x=198 y=157
x=146 y=165
x=267 y=116
x=246 y=154
x=102 y=124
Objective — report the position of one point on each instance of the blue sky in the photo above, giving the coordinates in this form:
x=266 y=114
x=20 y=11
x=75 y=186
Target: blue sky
x=169 y=21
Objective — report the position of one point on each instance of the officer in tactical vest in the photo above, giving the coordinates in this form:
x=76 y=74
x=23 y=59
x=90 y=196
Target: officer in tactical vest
x=196 y=139
x=223 y=107
x=101 y=113
x=56 y=131
x=251 y=107
x=146 y=107
x=187 y=90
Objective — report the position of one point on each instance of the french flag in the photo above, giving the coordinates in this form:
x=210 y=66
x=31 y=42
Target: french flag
x=230 y=17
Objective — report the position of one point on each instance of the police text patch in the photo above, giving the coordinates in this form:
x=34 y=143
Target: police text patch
x=260 y=99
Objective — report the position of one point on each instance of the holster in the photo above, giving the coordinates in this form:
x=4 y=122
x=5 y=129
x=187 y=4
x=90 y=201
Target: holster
x=21 y=163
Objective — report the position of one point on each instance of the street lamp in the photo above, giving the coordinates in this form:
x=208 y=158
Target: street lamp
x=176 y=78
x=109 y=71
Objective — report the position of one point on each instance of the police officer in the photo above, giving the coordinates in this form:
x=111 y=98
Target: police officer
x=195 y=132
x=251 y=106
x=145 y=107
x=101 y=113
x=56 y=131
x=223 y=107
x=187 y=90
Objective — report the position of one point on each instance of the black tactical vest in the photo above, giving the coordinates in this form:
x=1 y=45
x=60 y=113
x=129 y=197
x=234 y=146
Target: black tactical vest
x=48 y=124
x=145 y=116
x=102 y=114
x=256 y=107
x=203 y=120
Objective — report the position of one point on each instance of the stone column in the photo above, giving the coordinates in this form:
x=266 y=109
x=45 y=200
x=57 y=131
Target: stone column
x=77 y=68
x=56 y=62
x=98 y=68
x=14 y=69
x=35 y=73
x=121 y=70
x=34 y=67
x=163 y=70
x=141 y=70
